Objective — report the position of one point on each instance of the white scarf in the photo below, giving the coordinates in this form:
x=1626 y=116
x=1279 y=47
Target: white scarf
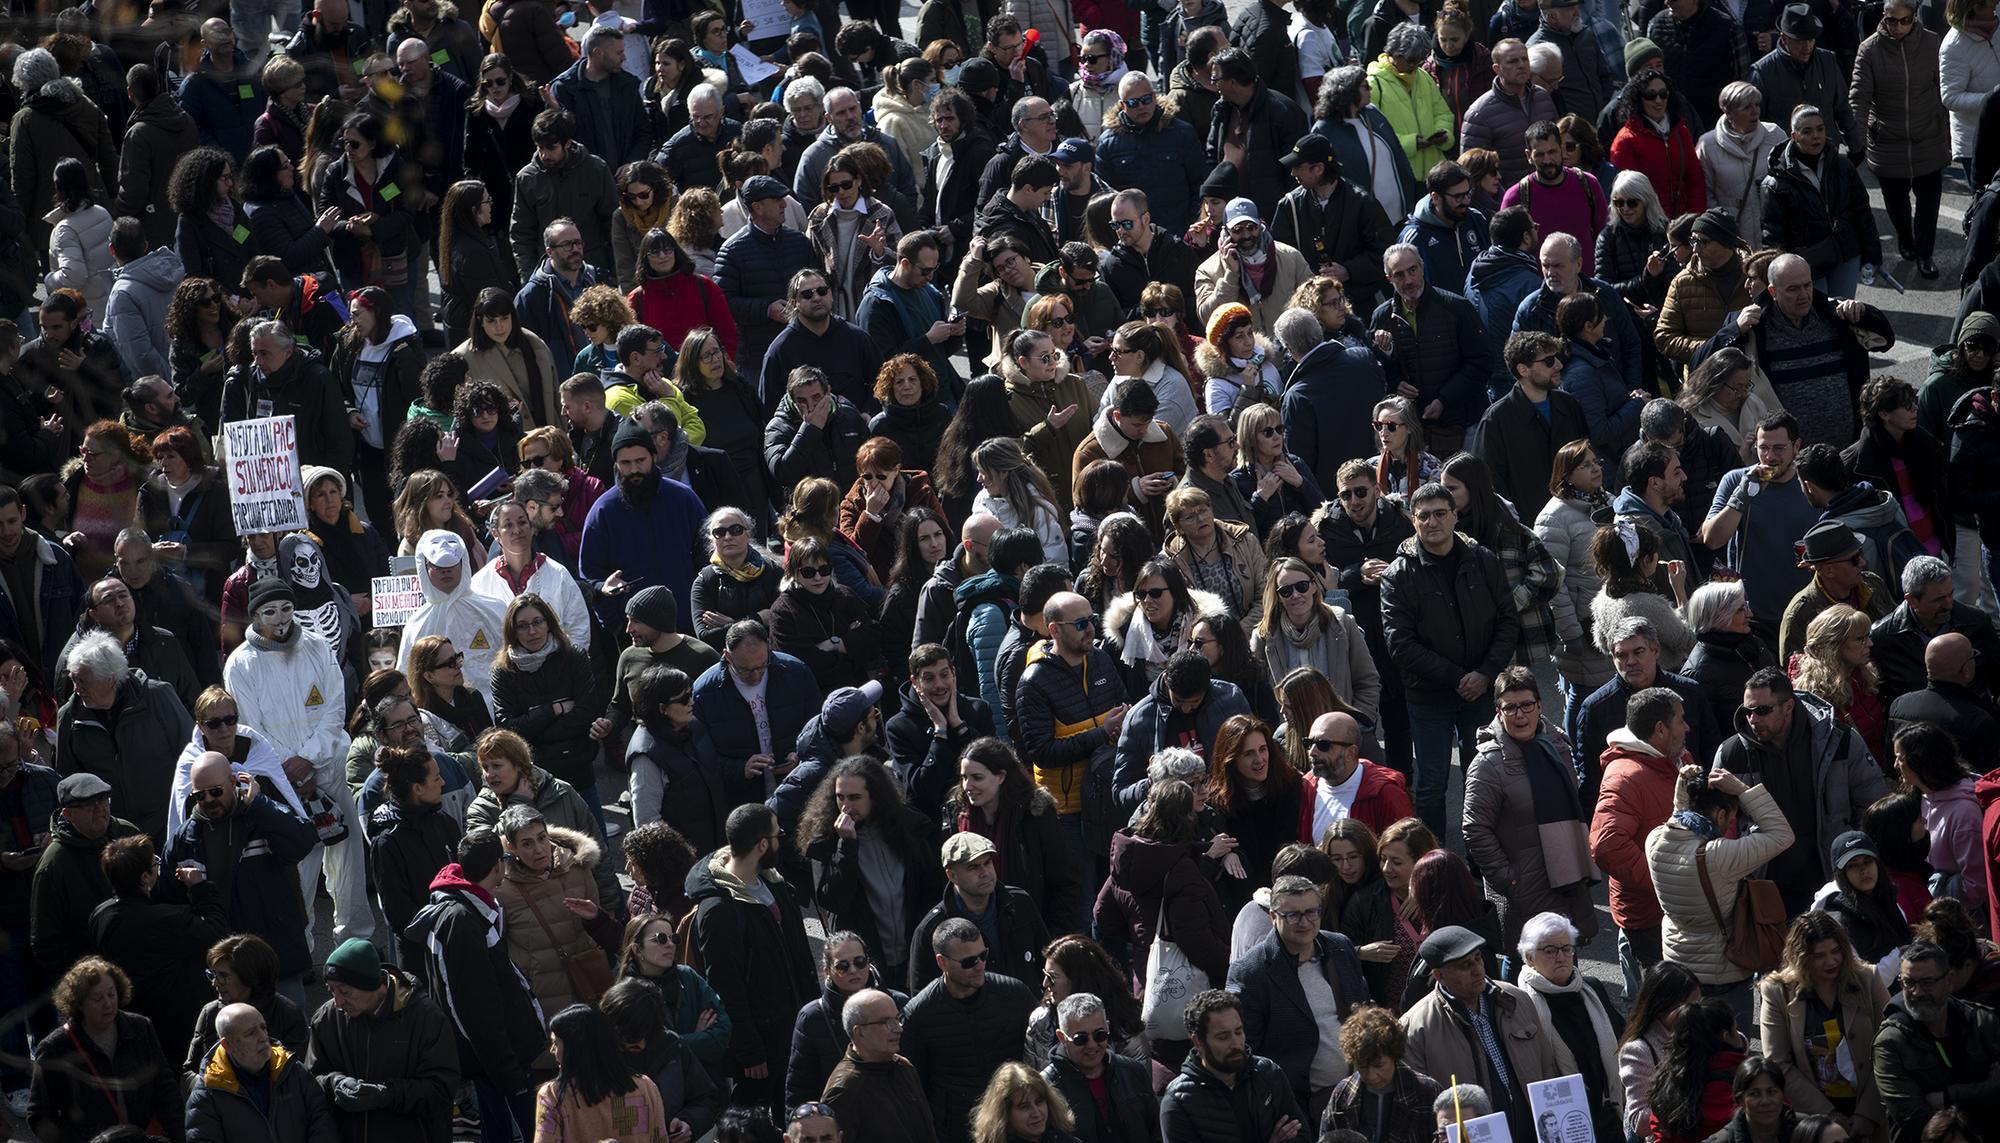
x=503 y=109
x=1538 y=987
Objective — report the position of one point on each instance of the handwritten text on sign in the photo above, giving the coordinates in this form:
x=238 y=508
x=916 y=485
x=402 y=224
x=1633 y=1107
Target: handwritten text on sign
x=396 y=598
x=264 y=494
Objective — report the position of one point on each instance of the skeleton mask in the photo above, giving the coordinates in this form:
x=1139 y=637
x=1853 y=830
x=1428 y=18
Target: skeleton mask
x=307 y=566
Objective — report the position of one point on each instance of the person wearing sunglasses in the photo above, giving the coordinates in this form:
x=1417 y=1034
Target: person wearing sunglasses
x=1070 y=704
x=1147 y=258
x=229 y=816
x=963 y=1026
x=1083 y=1059
x=1151 y=150
x=651 y=952
x=821 y=1035
x=219 y=729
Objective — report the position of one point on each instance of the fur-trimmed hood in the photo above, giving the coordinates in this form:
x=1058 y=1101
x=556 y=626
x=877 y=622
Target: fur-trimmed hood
x=1118 y=613
x=401 y=20
x=573 y=850
x=1214 y=363
x=1165 y=108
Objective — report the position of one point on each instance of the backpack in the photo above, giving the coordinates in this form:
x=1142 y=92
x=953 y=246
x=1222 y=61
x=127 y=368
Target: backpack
x=958 y=638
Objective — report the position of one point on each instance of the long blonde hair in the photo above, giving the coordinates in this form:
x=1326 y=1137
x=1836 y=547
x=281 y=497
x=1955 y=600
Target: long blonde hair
x=1807 y=930
x=814 y=512
x=416 y=494
x=1012 y=1080
x=1818 y=667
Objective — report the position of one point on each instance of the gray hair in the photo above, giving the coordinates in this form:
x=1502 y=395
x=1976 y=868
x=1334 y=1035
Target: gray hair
x=1298 y=331
x=835 y=93
x=653 y=414
x=35 y=69
x=1635 y=627
x=271 y=330
x=1397 y=249
x=1342 y=88
x=383 y=708
x=717 y=518
x=1712 y=603
x=1563 y=244
x=1175 y=762
x=1632 y=184
x=704 y=94
x=1408 y=41
x=1469 y=1099
x=1292 y=885
x=1020 y=113
x=1738 y=95
x=1541 y=926
x=516 y=818
x=555 y=227
x=1806 y=111
x=1660 y=418
x=97 y=655
x=805 y=89
x=599 y=33
x=852 y=1012
x=538 y=484
x=1079 y=1006
x=131 y=535
x=1540 y=56
x=1923 y=573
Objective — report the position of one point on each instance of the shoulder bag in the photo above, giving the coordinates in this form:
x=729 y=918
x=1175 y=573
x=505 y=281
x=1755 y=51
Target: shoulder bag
x=1171 y=981
x=589 y=970
x=1755 y=931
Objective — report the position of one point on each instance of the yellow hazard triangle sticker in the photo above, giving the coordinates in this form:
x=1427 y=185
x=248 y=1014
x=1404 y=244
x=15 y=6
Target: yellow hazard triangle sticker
x=314 y=698
x=479 y=642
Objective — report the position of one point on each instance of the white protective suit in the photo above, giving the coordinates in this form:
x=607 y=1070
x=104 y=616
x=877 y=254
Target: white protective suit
x=470 y=620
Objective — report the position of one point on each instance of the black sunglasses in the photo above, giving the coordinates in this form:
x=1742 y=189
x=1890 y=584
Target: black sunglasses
x=817 y=571
x=728 y=531
x=1288 y=590
x=219 y=721
x=973 y=961
x=1094 y=1036
x=860 y=961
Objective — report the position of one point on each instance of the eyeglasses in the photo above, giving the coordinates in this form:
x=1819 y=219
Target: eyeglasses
x=457 y=660
x=1290 y=915
x=1550 y=359
x=1269 y=432
x=1519 y=707
x=923 y=270
x=534 y=461
x=895 y=1019
x=566 y=244
x=1572 y=145
x=1426 y=515
x=860 y=961
x=1556 y=950
x=212 y=794
x=1148 y=593
x=663 y=938
x=1898 y=21
x=1094 y=1036
x=1354 y=493
x=1122 y=350
x=1094 y=57
x=1138 y=101
x=403 y=724
x=638 y=196
x=1296 y=587
x=1622 y=203
x=812 y=1110
x=816 y=571
x=1161 y=312
x=728 y=531
x=494 y=84
x=1657 y=95
x=1124 y=224
x=1910 y=982
x=815 y=291
x=973 y=961
x=1083 y=624
x=351 y=144
x=841 y=187
x=219 y=721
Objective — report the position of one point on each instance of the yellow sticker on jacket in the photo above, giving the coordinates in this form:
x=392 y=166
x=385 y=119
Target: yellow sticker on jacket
x=314 y=698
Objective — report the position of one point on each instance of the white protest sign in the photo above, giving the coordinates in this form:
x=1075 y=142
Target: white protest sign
x=1562 y=1110
x=1485 y=1129
x=264 y=493
x=396 y=598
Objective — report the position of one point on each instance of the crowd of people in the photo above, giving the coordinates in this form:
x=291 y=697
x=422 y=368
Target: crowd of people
x=1186 y=547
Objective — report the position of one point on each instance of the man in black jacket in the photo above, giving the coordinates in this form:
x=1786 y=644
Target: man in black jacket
x=610 y=116
x=1081 y=1062
x=1300 y=976
x=287 y=379
x=813 y=433
x=1635 y=654
x=383 y=1053
x=1224 y=1094
x=1254 y=125
x=1146 y=252
x=1440 y=356
x=1362 y=535
x=1927 y=613
x=962 y=1026
x=752 y=942
x=465 y=966
x=1261 y=31
x=1341 y=229
x=933 y=726
x=1951 y=700
x=1020 y=212
x=1520 y=433
x=841 y=351
x=948 y=195
x=1008 y=920
x=1450 y=621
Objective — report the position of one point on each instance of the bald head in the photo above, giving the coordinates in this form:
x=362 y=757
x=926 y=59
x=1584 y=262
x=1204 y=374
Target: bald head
x=1335 y=746
x=244 y=1035
x=1948 y=659
x=211 y=772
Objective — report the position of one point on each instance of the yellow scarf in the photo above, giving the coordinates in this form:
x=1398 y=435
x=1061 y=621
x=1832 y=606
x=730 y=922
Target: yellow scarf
x=752 y=567
x=644 y=222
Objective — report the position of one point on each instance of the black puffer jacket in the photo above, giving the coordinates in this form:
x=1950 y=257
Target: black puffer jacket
x=1445 y=355
x=1825 y=224
x=819 y=1040
x=406 y=848
x=955 y=1045
x=1199 y=1108
x=1135 y=1110
x=524 y=702
x=406 y=1056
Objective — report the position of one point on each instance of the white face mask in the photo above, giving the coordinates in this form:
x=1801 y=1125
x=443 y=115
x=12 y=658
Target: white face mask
x=275 y=620
x=952 y=73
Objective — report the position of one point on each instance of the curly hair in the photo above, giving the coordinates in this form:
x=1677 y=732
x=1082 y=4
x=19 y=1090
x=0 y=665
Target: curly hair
x=660 y=854
x=414 y=448
x=1806 y=932
x=476 y=395
x=82 y=977
x=191 y=188
x=696 y=221
x=1372 y=1034
x=601 y=305
x=886 y=804
x=1818 y=667
x=1123 y=538
x=1090 y=969
x=885 y=377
